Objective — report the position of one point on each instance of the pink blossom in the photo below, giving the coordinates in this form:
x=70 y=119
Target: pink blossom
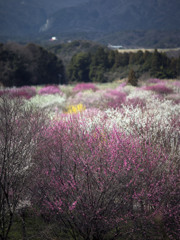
x=72 y=207
x=51 y=89
x=84 y=86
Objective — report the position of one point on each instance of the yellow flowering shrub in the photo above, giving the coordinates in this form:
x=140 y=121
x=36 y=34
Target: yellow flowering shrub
x=75 y=108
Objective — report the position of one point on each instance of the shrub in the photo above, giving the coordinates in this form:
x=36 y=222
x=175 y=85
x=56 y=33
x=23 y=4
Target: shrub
x=154 y=80
x=50 y=90
x=160 y=88
x=90 y=99
x=132 y=79
x=22 y=92
x=3 y=92
x=75 y=108
x=115 y=98
x=176 y=83
x=135 y=102
x=84 y=86
x=48 y=101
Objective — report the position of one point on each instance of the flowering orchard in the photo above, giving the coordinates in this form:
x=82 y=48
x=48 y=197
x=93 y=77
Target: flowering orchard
x=108 y=166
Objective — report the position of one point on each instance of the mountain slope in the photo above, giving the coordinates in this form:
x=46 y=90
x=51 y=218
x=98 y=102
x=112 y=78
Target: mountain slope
x=25 y=17
x=116 y=15
x=88 y=19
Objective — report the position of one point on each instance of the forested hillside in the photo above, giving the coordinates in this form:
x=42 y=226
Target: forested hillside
x=107 y=65
x=29 y=65
x=79 y=61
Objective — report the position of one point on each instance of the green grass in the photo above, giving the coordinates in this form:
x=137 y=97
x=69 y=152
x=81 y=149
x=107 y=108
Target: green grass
x=39 y=229
x=36 y=228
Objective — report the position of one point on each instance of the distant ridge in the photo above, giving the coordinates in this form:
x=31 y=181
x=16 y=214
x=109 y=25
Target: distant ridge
x=99 y=20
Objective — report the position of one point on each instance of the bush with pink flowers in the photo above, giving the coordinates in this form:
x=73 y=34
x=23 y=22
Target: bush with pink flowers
x=154 y=80
x=160 y=88
x=135 y=102
x=115 y=98
x=84 y=86
x=23 y=92
x=51 y=89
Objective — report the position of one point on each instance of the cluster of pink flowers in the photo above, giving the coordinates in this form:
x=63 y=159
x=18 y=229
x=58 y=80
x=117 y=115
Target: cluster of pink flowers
x=113 y=164
x=84 y=86
x=51 y=89
x=154 y=80
x=23 y=92
x=160 y=88
x=115 y=98
x=100 y=179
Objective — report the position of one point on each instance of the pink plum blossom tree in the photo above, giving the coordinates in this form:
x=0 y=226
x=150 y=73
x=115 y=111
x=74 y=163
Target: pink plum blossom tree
x=97 y=183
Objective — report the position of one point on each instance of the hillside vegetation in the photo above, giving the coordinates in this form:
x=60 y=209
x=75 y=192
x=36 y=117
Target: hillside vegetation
x=80 y=61
x=29 y=65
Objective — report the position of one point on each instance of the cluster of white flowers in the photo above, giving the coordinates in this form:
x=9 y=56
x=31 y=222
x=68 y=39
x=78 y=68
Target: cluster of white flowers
x=140 y=93
x=88 y=98
x=129 y=89
x=87 y=120
x=48 y=101
x=154 y=121
x=175 y=85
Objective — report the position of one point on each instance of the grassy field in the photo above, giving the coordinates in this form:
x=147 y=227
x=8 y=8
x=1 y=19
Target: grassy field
x=148 y=49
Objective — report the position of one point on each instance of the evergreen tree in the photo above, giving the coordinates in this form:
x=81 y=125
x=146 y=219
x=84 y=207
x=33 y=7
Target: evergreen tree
x=155 y=64
x=136 y=58
x=29 y=65
x=121 y=59
x=78 y=69
x=100 y=58
x=132 y=79
x=96 y=74
x=147 y=61
x=111 y=59
x=178 y=67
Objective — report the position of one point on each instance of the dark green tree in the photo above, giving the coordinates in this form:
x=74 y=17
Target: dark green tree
x=78 y=69
x=136 y=58
x=156 y=64
x=121 y=59
x=100 y=58
x=111 y=58
x=29 y=65
x=178 y=67
x=147 y=56
x=132 y=79
x=99 y=65
x=13 y=70
x=96 y=74
x=45 y=67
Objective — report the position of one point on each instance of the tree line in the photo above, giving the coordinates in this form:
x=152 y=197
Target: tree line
x=29 y=65
x=34 y=65
x=94 y=67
